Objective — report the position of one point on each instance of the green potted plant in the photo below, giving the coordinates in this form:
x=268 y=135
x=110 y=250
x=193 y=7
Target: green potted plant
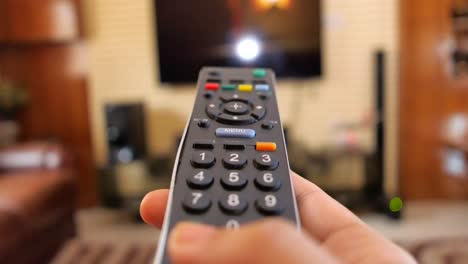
x=13 y=98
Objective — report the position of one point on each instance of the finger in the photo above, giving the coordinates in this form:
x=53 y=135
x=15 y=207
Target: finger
x=153 y=206
x=317 y=209
x=340 y=231
x=267 y=241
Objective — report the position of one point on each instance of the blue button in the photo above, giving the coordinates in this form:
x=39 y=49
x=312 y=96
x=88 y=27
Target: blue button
x=262 y=87
x=235 y=132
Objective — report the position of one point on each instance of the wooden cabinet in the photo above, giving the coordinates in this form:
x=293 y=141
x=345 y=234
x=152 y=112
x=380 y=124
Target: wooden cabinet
x=41 y=47
x=429 y=95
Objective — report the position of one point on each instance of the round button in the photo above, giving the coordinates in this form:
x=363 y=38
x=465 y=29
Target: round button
x=258 y=112
x=267 y=181
x=209 y=94
x=267 y=124
x=269 y=205
x=234 y=160
x=202 y=159
x=266 y=161
x=235 y=119
x=204 y=123
x=232 y=203
x=264 y=95
x=200 y=179
x=236 y=108
x=234 y=180
x=196 y=202
x=212 y=110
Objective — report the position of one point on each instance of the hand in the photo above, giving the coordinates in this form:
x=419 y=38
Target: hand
x=330 y=234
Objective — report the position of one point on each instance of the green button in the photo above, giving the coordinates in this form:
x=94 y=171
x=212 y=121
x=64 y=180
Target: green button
x=229 y=87
x=259 y=73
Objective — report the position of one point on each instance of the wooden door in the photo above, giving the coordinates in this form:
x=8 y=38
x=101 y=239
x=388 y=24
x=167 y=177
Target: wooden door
x=429 y=95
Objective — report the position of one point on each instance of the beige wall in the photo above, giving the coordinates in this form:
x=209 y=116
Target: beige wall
x=123 y=69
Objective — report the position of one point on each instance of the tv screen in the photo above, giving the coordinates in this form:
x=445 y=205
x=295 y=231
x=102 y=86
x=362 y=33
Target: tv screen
x=280 y=34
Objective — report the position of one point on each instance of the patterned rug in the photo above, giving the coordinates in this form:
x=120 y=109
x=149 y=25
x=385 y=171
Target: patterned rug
x=442 y=251
x=105 y=252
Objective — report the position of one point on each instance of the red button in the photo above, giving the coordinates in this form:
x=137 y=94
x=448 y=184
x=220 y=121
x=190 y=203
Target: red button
x=212 y=86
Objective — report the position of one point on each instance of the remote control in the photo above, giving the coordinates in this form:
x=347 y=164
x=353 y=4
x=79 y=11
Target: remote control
x=231 y=167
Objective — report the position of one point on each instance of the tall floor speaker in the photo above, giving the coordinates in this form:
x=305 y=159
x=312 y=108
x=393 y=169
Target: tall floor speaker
x=125 y=130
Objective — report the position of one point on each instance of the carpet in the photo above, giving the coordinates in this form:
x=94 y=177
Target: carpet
x=440 y=251
x=105 y=252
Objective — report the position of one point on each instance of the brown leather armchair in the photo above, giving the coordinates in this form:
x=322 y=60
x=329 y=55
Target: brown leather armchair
x=37 y=202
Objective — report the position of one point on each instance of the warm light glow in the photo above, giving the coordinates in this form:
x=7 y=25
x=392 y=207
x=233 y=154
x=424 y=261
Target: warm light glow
x=248 y=48
x=268 y=4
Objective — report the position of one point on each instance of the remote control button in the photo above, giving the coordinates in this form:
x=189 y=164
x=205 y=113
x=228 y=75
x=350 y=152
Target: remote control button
x=258 y=73
x=234 y=160
x=265 y=146
x=229 y=87
x=267 y=181
x=196 y=202
x=234 y=181
x=269 y=205
x=258 y=112
x=232 y=203
x=214 y=74
x=235 y=132
x=266 y=161
x=236 y=108
x=212 y=86
x=264 y=95
x=209 y=95
x=232 y=224
x=212 y=110
x=204 y=123
x=235 y=120
x=200 y=180
x=202 y=159
x=262 y=87
x=245 y=88
x=235 y=97
x=236 y=146
x=203 y=145
x=268 y=125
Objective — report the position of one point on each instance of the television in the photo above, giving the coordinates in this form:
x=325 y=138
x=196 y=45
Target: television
x=284 y=35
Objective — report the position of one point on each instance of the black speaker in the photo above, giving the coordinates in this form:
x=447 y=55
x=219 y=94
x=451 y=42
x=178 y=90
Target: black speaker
x=125 y=130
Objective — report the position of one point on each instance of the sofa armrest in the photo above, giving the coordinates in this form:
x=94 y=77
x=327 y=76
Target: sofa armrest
x=33 y=155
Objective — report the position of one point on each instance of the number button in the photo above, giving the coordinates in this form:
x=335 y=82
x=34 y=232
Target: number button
x=234 y=181
x=267 y=181
x=233 y=204
x=233 y=160
x=200 y=180
x=202 y=159
x=232 y=224
x=269 y=205
x=196 y=202
x=266 y=161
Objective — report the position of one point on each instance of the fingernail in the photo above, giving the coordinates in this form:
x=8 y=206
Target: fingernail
x=191 y=234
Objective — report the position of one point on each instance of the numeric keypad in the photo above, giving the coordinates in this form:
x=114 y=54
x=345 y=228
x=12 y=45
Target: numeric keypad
x=233 y=203
x=202 y=159
x=234 y=160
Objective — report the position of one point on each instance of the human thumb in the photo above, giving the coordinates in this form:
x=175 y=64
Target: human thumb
x=266 y=241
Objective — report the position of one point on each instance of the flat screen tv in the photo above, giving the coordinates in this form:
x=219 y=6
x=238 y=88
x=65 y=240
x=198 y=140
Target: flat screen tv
x=284 y=35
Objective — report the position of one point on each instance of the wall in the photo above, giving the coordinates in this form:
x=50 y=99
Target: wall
x=121 y=38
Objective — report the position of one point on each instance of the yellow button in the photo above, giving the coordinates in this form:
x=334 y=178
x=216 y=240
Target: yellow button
x=245 y=87
x=265 y=146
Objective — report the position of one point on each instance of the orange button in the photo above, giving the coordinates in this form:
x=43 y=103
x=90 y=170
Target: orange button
x=265 y=146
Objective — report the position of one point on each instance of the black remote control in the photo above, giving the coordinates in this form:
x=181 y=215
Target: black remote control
x=232 y=167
